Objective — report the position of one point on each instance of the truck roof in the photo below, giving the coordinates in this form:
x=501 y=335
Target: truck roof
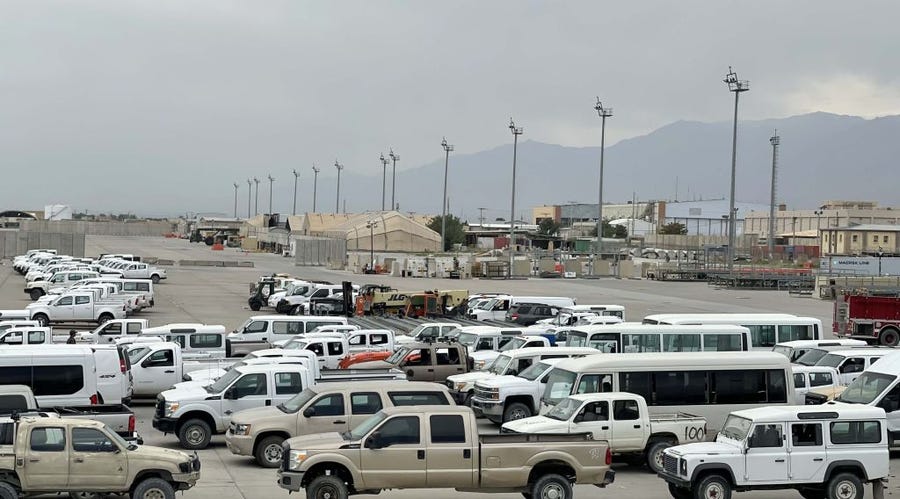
x=436 y=344
x=429 y=409
x=806 y=412
x=868 y=350
x=593 y=397
x=374 y=385
x=529 y=351
x=264 y=368
x=296 y=318
x=889 y=364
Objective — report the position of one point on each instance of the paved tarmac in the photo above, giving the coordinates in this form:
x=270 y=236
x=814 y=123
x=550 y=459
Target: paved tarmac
x=218 y=296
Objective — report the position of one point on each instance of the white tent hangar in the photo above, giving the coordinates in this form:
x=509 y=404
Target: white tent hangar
x=392 y=231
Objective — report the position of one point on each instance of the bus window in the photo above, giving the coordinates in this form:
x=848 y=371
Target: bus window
x=681 y=342
x=637 y=383
x=594 y=383
x=633 y=343
x=722 y=343
x=791 y=333
x=762 y=335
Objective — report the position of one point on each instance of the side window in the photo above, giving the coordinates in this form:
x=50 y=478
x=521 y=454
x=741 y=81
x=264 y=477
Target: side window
x=762 y=336
x=257 y=327
x=447 y=356
x=206 y=341
x=594 y=411
x=48 y=439
x=287 y=327
x=636 y=343
x=799 y=380
x=365 y=403
x=806 y=434
x=65 y=300
x=250 y=385
x=723 y=343
x=176 y=339
x=316 y=348
x=534 y=344
x=820 y=379
x=447 y=429
x=161 y=358
x=891 y=401
x=134 y=328
x=853 y=365
x=855 y=432
x=681 y=343
x=335 y=348
x=13 y=338
x=626 y=410
x=485 y=344
x=82 y=300
x=679 y=388
x=113 y=329
x=594 y=383
x=792 y=333
x=288 y=383
x=524 y=364
x=400 y=399
x=400 y=430
x=329 y=405
x=378 y=339
x=357 y=340
x=91 y=440
x=766 y=435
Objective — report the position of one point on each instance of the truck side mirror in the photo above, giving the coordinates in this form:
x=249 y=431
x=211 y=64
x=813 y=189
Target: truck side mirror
x=374 y=441
x=230 y=394
x=309 y=412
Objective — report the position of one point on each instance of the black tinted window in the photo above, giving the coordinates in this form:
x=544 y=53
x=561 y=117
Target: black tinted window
x=400 y=430
x=447 y=429
x=206 y=340
x=418 y=398
x=48 y=439
x=856 y=432
x=329 y=405
x=91 y=440
x=57 y=380
x=365 y=403
x=9 y=403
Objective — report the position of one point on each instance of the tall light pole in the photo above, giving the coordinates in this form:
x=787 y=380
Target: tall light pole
x=603 y=112
x=315 y=185
x=337 y=201
x=394 y=158
x=736 y=86
x=296 y=178
x=371 y=224
x=447 y=148
x=384 y=163
x=235 y=199
x=256 y=198
x=775 y=140
x=249 y=196
x=516 y=131
x=271 y=181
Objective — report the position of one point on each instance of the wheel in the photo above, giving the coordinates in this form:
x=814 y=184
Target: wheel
x=713 y=487
x=845 y=486
x=514 y=411
x=552 y=486
x=268 y=452
x=326 y=487
x=468 y=401
x=255 y=306
x=153 y=488
x=194 y=434
x=7 y=491
x=36 y=294
x=104 y=318
x=42 y=319
x=812 y=493
x=678 y=492
x=155 y=279
x=655 y=455
x=890 y=337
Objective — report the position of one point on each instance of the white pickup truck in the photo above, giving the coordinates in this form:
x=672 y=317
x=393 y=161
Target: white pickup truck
x=138 y=270
x=484 y=358
x=110 y=331
x=26 y=335
x=507 y=398
x=76 y=307
x=620 y=418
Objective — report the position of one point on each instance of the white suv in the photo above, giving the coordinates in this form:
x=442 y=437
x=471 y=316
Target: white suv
x=827 y=451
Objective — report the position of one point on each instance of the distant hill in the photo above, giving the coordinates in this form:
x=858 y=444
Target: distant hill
x=822 y=156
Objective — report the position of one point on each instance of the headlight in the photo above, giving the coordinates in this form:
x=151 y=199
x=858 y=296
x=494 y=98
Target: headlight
x=459 y=387
x=296 y=458
x=171 y=407
x=682 y=466
x=479 y=365
x=493 y=394
x=184 y=467
x=241 y=429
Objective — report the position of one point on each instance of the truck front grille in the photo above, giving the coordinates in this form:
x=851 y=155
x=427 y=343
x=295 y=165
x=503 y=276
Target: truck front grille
x=482 y=393
x=160 y=408
x=670 y=464
x=285 y=457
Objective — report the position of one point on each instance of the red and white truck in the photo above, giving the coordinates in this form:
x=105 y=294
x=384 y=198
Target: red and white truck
x=873 y=318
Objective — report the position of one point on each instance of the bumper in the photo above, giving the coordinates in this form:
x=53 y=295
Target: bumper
x=290 y=480
x=184 y=481
x=678 y=481
x=488 y=407
x=241 y=445
x=165 y=425
x=608 y=478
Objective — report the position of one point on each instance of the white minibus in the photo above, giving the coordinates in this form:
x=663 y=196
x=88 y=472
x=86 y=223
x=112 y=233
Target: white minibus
x=59 y=375
x=766 y=330
x=630 y=337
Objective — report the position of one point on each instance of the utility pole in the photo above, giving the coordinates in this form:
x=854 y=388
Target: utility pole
x=447 y=148
x=736 y=86
x=337 y=200
x=603 y=112
x=249 y=196
x=235 y=199
x=775 y=141
x=516 y=131
x=256 y=198
x=371 y=224
x=296 y=178
x=394 y=158
x=481 y=217
x=384 y=163
x=271 y=181
x=315 y=185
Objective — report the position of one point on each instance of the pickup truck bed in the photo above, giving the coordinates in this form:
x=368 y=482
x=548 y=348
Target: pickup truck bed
x=119 y=417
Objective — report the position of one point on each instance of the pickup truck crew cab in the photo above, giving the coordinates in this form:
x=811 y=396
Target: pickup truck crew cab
x=425 y=361
x=821 y=451
x=439 y=447
x=50 y=455
x=76 y=307
x=322 y=408
x=622 y=420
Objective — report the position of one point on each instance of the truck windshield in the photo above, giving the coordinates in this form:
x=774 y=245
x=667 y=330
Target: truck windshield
x=488 y=305
x=564 y=410
x=831 y=360
x=736 y=427
x=397 y=356
x=467 y=339
x=119 y=440
x=294 y=344
x=811 y=357
x=866 y=388
x=136 y=354
x=222 y=383
x=297 y=401
x=534 y=371
x=366 y=426
x=559 y=385
x=513 y=344
x=499 y=365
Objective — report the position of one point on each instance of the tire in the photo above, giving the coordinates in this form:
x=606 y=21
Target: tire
x=153 y=488
x=327 y=487
x=255 y=305
x=104 y=318
x=552 y=486
x=268 y=452
x=35 y=294
x=7 y=491
x=712 y=487
x=514 y=411
x=194 y=434
x=155 y=279
x=678 y=492
x=845 y=486
x=889 y=337
x=468 y=400
x=42 y=319
x=655 y=454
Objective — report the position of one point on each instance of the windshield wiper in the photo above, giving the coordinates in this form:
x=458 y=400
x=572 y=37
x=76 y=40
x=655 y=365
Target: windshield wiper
x=282 y=408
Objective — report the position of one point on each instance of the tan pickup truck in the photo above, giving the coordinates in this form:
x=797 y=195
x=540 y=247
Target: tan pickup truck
x=50 y=455
x=428 y=447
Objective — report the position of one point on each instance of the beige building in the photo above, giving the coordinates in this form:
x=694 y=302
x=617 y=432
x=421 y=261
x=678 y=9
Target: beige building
x=866 y=239
x=831 y=215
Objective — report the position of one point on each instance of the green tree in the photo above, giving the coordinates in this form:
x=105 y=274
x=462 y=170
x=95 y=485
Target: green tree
x=673 y=228
x=548 y=227
x=611 y=231
x=455 y=232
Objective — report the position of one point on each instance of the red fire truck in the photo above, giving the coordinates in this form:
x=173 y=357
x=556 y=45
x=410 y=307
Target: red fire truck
x=867 y=316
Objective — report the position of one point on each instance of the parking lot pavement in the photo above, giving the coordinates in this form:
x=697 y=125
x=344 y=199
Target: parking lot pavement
x=219 y=296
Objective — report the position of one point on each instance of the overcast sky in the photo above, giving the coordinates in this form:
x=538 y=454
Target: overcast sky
x=154 y=100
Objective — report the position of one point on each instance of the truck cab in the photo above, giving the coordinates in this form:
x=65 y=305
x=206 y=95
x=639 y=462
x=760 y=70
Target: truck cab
x=486 y=338
x=850 y=363
x=113 y=330
x=428 y=331
x=26 y=335
x=809 y=378
x=484 y=358
x=425 y=361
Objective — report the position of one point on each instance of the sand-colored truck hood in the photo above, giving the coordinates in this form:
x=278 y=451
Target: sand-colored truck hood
x=319 y=442
x=264 y=417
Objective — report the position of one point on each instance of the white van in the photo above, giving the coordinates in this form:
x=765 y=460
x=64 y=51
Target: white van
x=766 y=330
x=263 y=331
x=4 y=325
x=59 y=375
x=878 y=386
x=114 y=381
x=495 y=310
x=793 y=350
x=203 y=339
x=329 y=349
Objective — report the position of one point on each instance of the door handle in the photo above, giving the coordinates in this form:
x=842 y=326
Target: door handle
x=34 y=460
x=340 y=422
x=604 y=427
x=467 y=453
x=459 y=369
x=227 y=413
x=818 y=460
x=79 y=459
x=172 y=371
x=431 y=370
x=420 y=454
x=637 y=426
x=779 y=460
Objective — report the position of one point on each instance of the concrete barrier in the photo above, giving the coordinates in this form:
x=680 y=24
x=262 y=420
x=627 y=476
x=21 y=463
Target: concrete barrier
x=214 y=263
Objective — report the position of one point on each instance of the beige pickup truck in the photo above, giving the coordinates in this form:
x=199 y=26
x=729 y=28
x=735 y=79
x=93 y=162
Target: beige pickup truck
x=428 y=447
x=85 y=458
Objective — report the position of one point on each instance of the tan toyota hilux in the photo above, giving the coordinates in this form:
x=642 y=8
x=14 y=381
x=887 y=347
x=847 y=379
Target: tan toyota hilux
x=428 y=447
x=85 y=458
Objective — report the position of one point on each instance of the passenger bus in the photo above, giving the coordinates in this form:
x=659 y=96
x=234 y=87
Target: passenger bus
x=766 y=330
x=640 y=338
x=708 y=384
